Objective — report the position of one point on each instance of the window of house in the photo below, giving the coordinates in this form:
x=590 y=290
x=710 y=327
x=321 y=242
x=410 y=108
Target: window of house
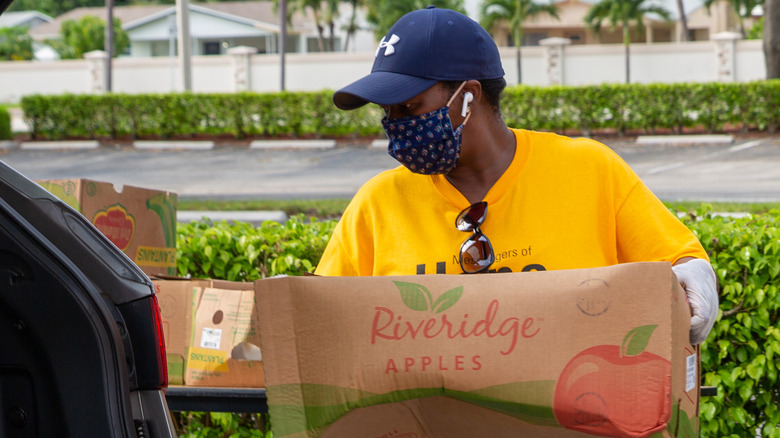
x=313 y=44
x=533 y=38
x=211 y=48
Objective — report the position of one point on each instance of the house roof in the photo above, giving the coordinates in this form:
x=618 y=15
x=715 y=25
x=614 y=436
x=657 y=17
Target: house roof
x=256 y=13
x=21 y=18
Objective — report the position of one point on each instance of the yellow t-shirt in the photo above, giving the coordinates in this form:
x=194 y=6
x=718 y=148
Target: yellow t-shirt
x=562 y=204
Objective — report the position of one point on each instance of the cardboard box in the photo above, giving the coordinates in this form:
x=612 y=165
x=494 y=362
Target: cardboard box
x=601 y=351
x=210 y=329
x=141 y=222
x=175 y=298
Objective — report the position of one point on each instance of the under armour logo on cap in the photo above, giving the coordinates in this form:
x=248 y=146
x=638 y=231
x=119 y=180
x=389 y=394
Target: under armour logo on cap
x=388 y=45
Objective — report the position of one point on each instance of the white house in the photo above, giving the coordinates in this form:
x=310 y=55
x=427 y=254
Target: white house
x=214 y=28
x=29 y=19
x=702 y=23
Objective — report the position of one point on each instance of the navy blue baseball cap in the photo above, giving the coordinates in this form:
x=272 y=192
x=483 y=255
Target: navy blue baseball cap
x=423 y=47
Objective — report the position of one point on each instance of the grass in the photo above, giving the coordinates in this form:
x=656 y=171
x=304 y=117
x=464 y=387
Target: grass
x=332 y=208
x=321 y=208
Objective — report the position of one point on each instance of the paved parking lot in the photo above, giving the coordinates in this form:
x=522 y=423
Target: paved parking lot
x=743 y=170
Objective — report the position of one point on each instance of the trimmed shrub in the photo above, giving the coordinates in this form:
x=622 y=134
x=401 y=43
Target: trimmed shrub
x=710 y=107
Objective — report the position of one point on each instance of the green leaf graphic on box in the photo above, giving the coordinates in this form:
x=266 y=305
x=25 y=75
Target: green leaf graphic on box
x=297 y=408
x=418 y=297
x=166 y=211
x=164 y=206
x=447 y=299
x=415 y=296
x=680 y=425
x=636 y=340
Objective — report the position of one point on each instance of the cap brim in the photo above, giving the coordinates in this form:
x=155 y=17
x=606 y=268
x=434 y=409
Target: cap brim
x=381 y=87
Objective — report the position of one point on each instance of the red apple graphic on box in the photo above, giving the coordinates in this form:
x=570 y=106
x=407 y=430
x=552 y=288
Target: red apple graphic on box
x=116 y=224
x=611 y=390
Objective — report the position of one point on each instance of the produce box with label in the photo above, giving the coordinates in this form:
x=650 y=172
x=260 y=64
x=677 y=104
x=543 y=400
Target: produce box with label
x=139 y=221
x=601 y=351
x=210 y=330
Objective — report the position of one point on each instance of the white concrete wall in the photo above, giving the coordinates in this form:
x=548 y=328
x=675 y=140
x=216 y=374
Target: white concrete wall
x=583 y=64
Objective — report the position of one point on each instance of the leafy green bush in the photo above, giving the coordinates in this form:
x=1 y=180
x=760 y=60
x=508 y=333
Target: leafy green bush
x=243 y=252
x=742 y=355
x=5 y=124
x=238 y=115
x=649 y=108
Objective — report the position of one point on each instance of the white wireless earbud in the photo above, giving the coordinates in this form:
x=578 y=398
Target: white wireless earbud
x=467 y=97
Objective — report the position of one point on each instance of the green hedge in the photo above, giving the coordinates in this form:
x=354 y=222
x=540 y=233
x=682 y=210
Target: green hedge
x=5 y=124
x=741 y=357
x=238 y=115
x=646 y=108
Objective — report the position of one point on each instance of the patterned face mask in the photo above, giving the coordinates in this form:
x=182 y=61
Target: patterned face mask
x=426 y=143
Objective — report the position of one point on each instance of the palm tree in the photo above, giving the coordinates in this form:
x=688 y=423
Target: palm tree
x=316 y=7
x=352 y=26
x=623 y=13
x=383 y=13
x=330 y=14
x=683 y=21
x=742 y=9
x=515 y=12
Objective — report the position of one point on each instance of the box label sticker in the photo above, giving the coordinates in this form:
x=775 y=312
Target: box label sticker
x=210 y=360
x=157 y=257
x=210 y=338
x=690 y=372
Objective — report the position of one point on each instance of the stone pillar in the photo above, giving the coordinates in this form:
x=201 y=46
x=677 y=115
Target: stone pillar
x=553 y=59
x=242 y=67
x=96 y=67
x=726 y=55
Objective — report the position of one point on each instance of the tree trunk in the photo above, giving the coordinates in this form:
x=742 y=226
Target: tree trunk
x=519 y=66
x=351 y=29
x=332 y=37
x=742 y=26
x=518 y=45
x=772 y=38
x=683 y=21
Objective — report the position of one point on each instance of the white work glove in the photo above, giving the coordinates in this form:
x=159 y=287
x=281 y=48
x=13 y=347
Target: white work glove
x=701 y=286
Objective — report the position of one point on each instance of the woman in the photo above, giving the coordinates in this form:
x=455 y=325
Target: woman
x=473 y=195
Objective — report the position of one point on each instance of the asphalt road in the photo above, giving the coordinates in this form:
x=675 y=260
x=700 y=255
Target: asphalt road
x=745 y=170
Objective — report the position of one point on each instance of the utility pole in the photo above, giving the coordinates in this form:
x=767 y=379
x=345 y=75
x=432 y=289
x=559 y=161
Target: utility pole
x=283 y=38
x=109 y=42
x=772 y=38
x=185 y=42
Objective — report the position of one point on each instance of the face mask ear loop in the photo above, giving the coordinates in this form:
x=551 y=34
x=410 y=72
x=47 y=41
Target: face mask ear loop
x=449 y=102
x=468 y=110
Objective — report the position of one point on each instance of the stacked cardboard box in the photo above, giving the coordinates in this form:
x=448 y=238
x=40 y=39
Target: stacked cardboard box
x=139 y=221
x=210 y=330
x=601 y=351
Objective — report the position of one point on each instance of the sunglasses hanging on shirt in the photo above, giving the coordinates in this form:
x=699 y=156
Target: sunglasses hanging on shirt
x=476 y=253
